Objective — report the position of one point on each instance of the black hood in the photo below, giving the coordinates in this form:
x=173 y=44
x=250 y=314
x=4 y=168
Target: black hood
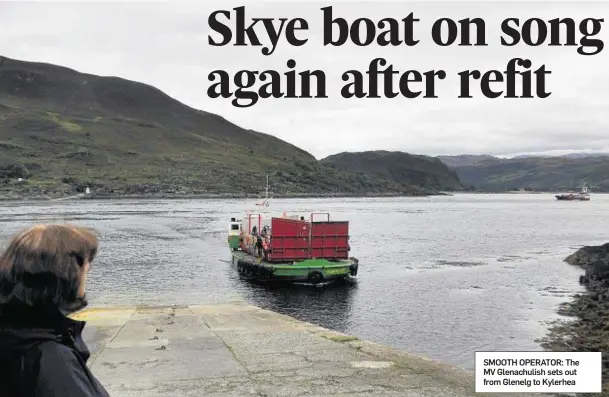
x=42 y=354
x=22 y=327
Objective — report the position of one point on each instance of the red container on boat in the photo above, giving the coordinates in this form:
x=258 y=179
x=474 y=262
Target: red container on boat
x=297 y=240
x=290 y=240
x=330 y=240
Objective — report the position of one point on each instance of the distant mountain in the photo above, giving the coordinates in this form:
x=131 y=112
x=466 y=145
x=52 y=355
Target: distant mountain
x=568 y=155
x=528 y=156
x=585 y=155
x=537 y=173
x=398 y=167
x=62 y=130
x=465 y=160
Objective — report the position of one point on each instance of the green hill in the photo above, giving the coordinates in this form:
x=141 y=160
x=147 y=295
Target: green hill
x=399 y=167
x=61 y=131
x=536 y=173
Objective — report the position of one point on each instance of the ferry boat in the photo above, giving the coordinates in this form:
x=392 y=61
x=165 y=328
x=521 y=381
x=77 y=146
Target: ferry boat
x=571 y=196
x=293 y=248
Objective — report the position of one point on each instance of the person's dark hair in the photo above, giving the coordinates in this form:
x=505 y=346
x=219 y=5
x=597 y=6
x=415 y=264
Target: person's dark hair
x=42 y=266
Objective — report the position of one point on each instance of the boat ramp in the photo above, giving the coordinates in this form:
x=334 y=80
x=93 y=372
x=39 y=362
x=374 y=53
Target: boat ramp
x=235 y=349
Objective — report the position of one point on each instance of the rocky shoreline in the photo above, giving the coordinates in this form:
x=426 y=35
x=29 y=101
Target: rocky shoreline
x=211 y=196
x=162 y=192
x=589 y=330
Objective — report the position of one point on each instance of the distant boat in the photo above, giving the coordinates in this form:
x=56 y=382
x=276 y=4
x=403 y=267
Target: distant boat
x=571 y=196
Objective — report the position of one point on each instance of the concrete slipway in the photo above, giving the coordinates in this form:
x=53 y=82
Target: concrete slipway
x=241 y=350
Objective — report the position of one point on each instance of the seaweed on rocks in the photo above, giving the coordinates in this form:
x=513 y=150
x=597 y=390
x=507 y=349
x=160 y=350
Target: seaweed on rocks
x=589 y=330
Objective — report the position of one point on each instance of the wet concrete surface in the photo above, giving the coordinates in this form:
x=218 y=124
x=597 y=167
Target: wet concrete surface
x=237 y=349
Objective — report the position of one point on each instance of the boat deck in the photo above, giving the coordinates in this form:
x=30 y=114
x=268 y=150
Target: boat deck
x=307 y=264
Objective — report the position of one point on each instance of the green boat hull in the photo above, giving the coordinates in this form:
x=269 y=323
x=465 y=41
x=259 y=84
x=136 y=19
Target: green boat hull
x=312 y=271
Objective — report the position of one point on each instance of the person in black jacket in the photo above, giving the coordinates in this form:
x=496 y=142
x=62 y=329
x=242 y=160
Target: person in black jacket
x=42 y=280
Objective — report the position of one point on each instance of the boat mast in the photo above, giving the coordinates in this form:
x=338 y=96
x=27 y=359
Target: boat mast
x=266 y=195
x=265 y=202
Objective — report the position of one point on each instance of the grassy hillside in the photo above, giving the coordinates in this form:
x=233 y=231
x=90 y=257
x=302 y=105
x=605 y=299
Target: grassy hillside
x=62 y=130
x=537 y=173
x=398 y=167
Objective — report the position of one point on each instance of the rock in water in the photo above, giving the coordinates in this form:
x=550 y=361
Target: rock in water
x=593 y=259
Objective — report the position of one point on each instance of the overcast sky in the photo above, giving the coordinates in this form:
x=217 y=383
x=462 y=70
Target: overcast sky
x=166 y=45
